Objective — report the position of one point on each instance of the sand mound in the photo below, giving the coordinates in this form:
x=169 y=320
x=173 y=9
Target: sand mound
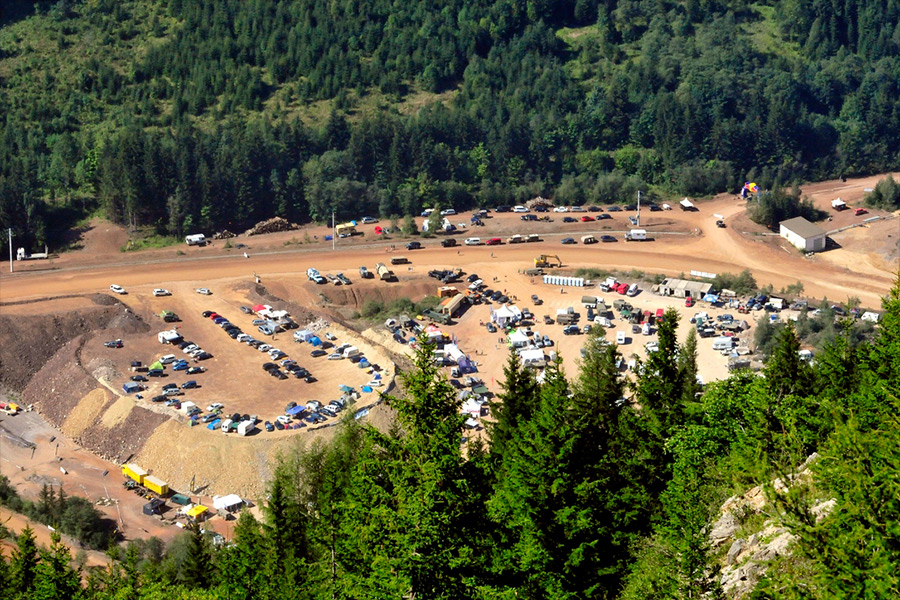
x=118 y=412
x=86 y=412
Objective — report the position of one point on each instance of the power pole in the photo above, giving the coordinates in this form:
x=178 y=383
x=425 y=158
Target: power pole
x=10 y=251
x=333 y=232
x=639 y=209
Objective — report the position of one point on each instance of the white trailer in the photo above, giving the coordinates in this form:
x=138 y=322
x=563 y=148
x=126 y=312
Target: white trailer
x=245 y=427
x=169 y=337
x=22 y=255
x=195 y=239
x=636 y=235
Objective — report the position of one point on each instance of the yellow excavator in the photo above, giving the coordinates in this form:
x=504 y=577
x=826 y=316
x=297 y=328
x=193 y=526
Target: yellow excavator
x=547 y=260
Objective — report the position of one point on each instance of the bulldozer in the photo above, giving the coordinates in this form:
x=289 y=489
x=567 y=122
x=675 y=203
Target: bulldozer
x=547 y=260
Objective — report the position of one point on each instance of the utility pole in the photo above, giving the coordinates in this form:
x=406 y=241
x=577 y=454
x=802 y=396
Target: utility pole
x=333 y=232
x=10 y=251
x=639 y=209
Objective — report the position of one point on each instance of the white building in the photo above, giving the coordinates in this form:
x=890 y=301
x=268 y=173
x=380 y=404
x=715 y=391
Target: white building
x=803 y=234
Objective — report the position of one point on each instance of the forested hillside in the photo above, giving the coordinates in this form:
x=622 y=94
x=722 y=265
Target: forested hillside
x=196 y=115
x=592 y=487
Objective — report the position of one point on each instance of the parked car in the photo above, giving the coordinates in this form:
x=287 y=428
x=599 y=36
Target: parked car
x=204 y=291
x=614 y=208
x=537 y=301
x=117 y=289
x=139 y=378
x=335 y=356
x=369 y=220
x=571 y=330
x=269 y=426
x=560 y=209
x=569 y=241
x=607 y=238
x=860 y=211
x=161 y=292
x=317 y=353
x=473 y=241
x=568 y=219
x=195 y=370
x=113 y=344
x=586 y=218
x=448 y=243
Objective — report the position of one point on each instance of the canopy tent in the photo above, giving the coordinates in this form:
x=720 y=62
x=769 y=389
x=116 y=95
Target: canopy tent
x=686 y=204
x=533 y=358
x=471 y=407
x=481 y=390
x=258 y=308
x=315 y=341
x=295 y=410
x=518 y=339
x=466 y=365
x=130 y=387
x=157 y=366
x=346 y=389
x=229 y=502
x=196 y=510
x=503 y=316
x=453 y=351
x=471 y=423
x=712 y=298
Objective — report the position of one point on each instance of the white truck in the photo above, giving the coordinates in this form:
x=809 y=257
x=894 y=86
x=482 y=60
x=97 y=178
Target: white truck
x=169 y=337
x=637 y=235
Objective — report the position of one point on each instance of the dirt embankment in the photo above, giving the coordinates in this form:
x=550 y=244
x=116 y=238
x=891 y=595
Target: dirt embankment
x=31 y=333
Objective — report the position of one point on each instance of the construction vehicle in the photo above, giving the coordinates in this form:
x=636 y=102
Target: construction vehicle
x=547 y=261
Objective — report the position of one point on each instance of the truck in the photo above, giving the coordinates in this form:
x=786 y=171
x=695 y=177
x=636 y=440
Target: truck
x=314 y=275
x=22 y=255
x=399 y=260
x=245 y=427
x=169 y=337
x=533 y=237
x=437 y=317
x=156 y=485
x=10 y=408
x=534 y=272
x=134 y=472
x=384 y=273
x=588 y=239
x=564 y=317
x=547 y=261
x=589 y=301
x=453 y=305
x=195 y=239
x=637 y=235
x=515 y=239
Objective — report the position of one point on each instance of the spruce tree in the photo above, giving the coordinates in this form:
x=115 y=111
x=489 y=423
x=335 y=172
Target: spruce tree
x=513 y=407
x=54 y=579
x=196 y=569
x=23 y=563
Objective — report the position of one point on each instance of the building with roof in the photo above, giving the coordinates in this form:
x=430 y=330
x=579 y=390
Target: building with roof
x=803 y=234
x=682 y=288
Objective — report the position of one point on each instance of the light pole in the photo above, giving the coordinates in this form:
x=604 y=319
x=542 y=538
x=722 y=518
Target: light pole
x=10 y=251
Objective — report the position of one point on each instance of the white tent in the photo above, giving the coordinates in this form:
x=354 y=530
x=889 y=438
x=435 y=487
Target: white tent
x=304 y=335
x=533 y=357
x=686 y=204
x=471 y=407
x=518 y=339
x=453 y=351
x=229 y=502
x=503 y=316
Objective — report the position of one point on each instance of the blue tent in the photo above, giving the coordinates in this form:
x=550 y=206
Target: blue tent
x=315 y=341
x=296 y=410
x=711 y=298
x=130 y=387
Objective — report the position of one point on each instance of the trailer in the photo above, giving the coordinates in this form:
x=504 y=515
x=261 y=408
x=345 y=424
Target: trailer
x=384 y=273
x=169 y=337
x=345 y=230
x=245 y=427
x=399 y=260
x=156 y=485
x=22 y=255
x=637 y=235
x=453 y=305
x=134 y=472
x=195 y=239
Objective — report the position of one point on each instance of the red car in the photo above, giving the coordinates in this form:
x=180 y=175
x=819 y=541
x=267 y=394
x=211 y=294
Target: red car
x=860 y=211
x=659 y=315
x=586 y=218
x=622 y=289
x=493 y=242
x=688 y=302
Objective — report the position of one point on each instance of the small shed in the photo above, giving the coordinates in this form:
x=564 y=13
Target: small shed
x=229 y=503
x=197 y=511
x=131 y=387
x=154 y=507
x=803 y=234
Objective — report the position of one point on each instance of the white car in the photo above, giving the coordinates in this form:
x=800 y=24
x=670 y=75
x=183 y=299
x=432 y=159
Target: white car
x=214 y=406
x=447 y=212
x=204 y=291
x=577 y=209
x=473 y=241
x=620 y=337
x=520 y=209
x=335 y=356
x=560 y=209
x=369 y=220
x=117 y=289
x=161 y=292
x=283 y=419
x=190 y=348
x=652 y=346
x=264 y=348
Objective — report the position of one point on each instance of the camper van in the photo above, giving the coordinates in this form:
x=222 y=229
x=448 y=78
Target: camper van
x=588 y=239
x=723 y=343
x=196 y=239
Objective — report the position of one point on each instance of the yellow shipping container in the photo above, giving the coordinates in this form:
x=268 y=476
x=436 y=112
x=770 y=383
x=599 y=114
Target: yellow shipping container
x=156 y=485
x=132 y=471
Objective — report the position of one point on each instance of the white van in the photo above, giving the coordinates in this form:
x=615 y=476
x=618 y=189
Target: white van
x=473 y=241
x=620 y=337
x=723 y=343
x=519 y=209
x=645 y=330
x=225 y=425
x=167 y=359
x=632 y=290
x=351 y=351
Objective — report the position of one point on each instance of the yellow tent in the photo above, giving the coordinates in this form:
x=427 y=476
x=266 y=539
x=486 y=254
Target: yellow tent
x=196 y=510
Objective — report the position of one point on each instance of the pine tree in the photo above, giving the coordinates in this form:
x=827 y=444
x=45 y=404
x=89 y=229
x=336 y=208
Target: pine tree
x=23 y=563
x=238 y=565
x=196 y=567
x=54 y=579
x=785 y=372
x=513 y=407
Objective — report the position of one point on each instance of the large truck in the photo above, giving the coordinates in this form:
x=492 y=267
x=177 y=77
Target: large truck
x=436 y=317
x=134 y=472
x=637 y=235
x=156 y=485
x=565 y=316
x=450 y=306
x=384 y=273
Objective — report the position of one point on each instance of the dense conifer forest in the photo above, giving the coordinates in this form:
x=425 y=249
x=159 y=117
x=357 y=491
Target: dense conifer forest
x=589 y=487
x=179 y=116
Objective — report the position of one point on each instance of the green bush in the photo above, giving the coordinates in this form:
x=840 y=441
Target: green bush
x=743 y=283
x=886 y=195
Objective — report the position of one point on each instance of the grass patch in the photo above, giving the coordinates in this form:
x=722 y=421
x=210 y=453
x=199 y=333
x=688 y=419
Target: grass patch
x=153 y=240
x=375 y=310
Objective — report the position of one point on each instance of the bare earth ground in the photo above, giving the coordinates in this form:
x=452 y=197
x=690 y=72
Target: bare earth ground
x=864 y=264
